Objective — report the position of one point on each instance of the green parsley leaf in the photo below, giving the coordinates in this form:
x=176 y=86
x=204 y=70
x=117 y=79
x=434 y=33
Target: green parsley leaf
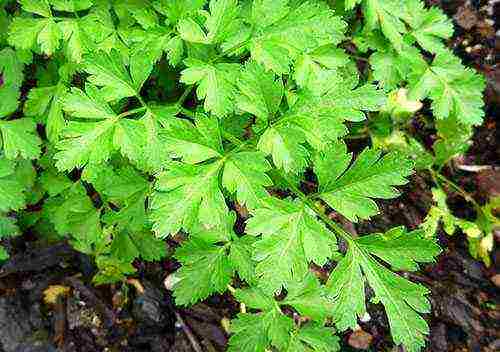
x=185 y=196
x=245 y=175
x=349 y=189
x=206 y=269
x=216 y=84
x=19 y=138
x=11 y=71
x=291 y=237
x=283 y=32
x=456 y=92
x=402 y=299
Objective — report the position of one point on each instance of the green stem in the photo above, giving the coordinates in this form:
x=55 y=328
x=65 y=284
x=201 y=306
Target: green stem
x=307 y=201
x=187 y=112
x=184 y=95
x=321 y=214
x=234 y=140
x=131 y=112
x=438 y=177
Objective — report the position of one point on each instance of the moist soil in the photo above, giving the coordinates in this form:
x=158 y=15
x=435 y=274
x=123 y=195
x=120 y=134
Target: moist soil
x=141 y=315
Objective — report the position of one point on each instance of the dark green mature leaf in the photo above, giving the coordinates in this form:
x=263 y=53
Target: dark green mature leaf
x=349 y=189
x=128 y=156
x=402 y=299
x=401 y=249
x=305 y=121
x=291 y=237
x=283 y=31
x=308 y=297
x=19 y=138
x=185 y=196
x=260 y=91
x=15 y=180
x=245 y=175
x=11 y=71
x=206 y=269
x=216 y=84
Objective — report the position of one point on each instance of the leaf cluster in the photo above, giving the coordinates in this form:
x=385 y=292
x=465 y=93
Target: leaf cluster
x=156 y=120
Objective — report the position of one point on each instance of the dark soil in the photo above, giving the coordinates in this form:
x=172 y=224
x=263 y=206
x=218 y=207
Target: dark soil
x=141 y=316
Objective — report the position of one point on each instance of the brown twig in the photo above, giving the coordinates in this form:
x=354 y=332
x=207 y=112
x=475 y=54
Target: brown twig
x=189 y=334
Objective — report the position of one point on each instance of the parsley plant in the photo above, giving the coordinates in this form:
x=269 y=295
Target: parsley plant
x=144 y=119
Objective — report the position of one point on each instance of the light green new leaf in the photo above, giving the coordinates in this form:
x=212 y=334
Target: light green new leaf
x=94 y=142
x=20 y=138
x=349 y=189
x=154 y=156
x=216 y=84
x=291 y=238
x=87 y=105
x=40 y=7
x=346 y=287
x=387 y=69
x=206 y=269
x=74 y=37
x=28 y=33
x=311 y=69
x=145 y=16
x=130 y=138
x=441 y=214
x=240 y=256
x=430 y=27
x=456 y=91
x=245 y=174
x=85 y=142
x=389 y=16
x=285 y=145
x=260 y=91
x=187 y=196
x=177 y=9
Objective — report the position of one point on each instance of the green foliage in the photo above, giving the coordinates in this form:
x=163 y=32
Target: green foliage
x=158 y=120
